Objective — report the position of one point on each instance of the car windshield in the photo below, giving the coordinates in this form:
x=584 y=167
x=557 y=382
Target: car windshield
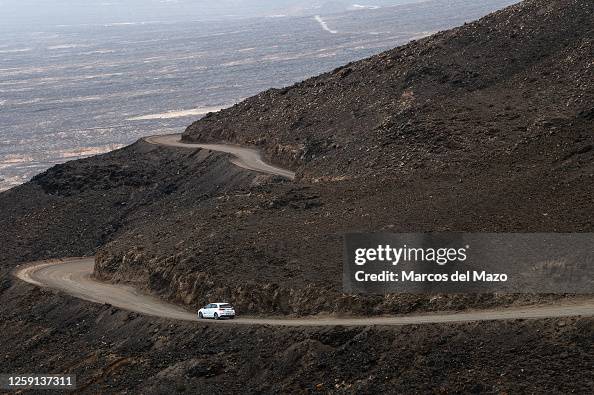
x=226 y=306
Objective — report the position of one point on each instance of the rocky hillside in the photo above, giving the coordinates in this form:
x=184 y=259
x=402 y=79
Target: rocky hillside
x=114 y=351
x=74 y=208
x=512 y=89
x=487 y=127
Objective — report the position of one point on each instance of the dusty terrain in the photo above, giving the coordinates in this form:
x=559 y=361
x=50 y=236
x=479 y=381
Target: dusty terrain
x=487 y=127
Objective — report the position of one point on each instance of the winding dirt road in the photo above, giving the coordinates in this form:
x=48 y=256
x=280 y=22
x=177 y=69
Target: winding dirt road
x=247 y=158
x=74 y=276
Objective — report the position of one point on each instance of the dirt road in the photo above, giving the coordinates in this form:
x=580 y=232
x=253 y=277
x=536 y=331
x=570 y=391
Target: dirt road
x=74 y=276
x=247 y=158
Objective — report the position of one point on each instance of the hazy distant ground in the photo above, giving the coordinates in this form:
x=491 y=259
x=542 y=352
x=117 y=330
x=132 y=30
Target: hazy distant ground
x=75 y=90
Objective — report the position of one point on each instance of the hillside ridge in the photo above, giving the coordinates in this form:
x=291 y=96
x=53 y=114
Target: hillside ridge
x=461 y=95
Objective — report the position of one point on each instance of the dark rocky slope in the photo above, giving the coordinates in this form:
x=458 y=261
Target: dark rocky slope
x=74 y=208
x=487 y=127
x=114 y=351
x=512 y=89
x=484 y=128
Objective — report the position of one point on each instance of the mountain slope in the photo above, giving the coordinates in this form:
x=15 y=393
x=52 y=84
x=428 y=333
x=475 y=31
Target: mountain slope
x=483 y=128
x=519 y=76
x=487 y=127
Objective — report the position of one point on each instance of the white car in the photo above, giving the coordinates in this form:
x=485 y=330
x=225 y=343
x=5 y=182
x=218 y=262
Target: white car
x=216 y=311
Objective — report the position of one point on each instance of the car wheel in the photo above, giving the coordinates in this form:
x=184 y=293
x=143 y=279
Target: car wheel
x=200 y=315
x=232 y=317
x=216 y=316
